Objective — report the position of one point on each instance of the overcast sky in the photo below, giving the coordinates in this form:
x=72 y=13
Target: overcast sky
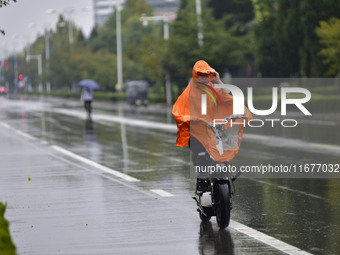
x=23 y=20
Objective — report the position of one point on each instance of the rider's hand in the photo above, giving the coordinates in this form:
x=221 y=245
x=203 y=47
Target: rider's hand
x=216 y=78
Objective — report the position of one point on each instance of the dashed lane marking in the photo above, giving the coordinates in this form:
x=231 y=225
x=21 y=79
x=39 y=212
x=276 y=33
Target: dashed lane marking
x=162 y=193
x=96 y=165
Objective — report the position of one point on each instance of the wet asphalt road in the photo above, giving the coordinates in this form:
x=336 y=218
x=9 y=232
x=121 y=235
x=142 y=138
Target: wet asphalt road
x=85 y=211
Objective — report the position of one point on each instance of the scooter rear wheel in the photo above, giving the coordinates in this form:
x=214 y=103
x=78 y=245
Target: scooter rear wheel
x=222 y=205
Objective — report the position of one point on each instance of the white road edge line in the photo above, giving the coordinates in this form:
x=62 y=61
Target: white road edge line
x=25 y=135
x=161 y=192
x=96 y=165
x=5 y=125
x=271 y=241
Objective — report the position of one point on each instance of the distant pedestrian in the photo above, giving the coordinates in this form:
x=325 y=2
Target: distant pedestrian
x=86 y=97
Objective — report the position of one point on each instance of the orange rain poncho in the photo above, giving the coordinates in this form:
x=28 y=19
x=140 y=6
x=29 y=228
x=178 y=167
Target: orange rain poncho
x=187 y=109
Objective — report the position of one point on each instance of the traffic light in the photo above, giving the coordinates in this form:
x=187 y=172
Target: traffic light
x=5 y=63
x=21 y=76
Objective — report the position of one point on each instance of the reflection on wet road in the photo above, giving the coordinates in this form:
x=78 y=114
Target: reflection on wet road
x=304 y=213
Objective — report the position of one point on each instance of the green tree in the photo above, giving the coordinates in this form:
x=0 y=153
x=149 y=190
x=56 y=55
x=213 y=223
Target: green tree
x=329 y=35
x=98 y=66
x=312 y=12
x=223 y=49
x=62 y=69
x=63 y=66
x=287 y=36
x=5 y=2
x=2 y=4
x=183 y=45
x=143 y=46
x=238 y=15
x=131 y=27
x=286 y=43
x=266 y=53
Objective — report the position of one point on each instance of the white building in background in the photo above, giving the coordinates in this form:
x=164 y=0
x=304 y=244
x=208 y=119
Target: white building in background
x=103 y=8
x=164 y=7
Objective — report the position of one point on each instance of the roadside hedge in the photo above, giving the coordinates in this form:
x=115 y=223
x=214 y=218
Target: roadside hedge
x=6 y=245
x=325 y=102
x=99 y=95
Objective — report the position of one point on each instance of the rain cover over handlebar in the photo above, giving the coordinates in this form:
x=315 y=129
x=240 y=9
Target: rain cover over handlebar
x=188 y=109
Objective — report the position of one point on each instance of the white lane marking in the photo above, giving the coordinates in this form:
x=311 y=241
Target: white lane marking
x=5 y=125
x=161 y=192
x=256 y=137
x=326 y=146
x=319 y=122
x=96 y=165
x=71 y=154
x=25 y=135
x=289 y=189
x=271 y=241
x=123 y=120
x=266 y=140
x=276 y=141
x=109 y=177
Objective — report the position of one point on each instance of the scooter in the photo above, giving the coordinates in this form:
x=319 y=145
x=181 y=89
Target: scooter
x=214 y=195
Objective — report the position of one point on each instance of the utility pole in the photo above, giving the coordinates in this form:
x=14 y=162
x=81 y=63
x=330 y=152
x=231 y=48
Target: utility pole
x=47 y=63
x=37 y=57
x=199 y=23
x=70 y=28
x=15 y=71
x=166 y=36
x=119 y=50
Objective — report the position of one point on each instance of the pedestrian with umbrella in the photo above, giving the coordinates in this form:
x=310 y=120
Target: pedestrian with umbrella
x=87 y=94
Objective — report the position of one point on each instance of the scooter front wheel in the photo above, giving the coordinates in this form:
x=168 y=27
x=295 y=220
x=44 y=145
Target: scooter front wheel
x=222 y=205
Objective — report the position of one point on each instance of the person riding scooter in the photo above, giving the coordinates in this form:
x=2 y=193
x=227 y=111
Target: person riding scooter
x=188 y=109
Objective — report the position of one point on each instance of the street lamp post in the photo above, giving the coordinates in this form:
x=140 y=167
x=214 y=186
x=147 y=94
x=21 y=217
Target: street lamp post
x=119 y=49
x=37 y=57
x=15 y=65
x=199 y=23
x=4 y=53
x=70 y=23
x=15 y=71
x=69 y=11
x=166 y=36
x=47 y=56
x=70 y=27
